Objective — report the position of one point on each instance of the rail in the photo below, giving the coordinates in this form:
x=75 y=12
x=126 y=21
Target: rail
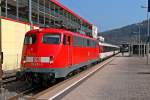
x=63 y=87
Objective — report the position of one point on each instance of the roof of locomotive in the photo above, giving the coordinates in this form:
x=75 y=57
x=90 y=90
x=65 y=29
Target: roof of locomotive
x=56 y=30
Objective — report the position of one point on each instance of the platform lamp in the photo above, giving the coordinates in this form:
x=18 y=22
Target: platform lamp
x=30 y=14
x=148 y=10
x=148 y=29
x=139 y=37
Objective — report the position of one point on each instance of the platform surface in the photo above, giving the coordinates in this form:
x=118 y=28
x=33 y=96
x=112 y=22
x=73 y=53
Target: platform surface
x=125 y=78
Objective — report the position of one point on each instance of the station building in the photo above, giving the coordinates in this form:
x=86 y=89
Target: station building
x=19 y=16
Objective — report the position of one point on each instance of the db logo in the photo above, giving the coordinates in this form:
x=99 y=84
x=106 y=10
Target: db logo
x=37 y=59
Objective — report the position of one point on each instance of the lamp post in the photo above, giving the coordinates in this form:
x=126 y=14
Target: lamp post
x=1 y=71
x=30 y=13
x=147 y=50
x=139 y=38
x=148 y=37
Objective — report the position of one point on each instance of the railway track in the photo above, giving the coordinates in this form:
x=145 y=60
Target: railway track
x=22 y=95
x=63 y=88
x=11 y=87
x=29 y=92
x=9 y=78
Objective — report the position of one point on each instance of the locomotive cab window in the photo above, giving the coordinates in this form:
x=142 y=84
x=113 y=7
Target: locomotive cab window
x=51 y=38
x=30 y=39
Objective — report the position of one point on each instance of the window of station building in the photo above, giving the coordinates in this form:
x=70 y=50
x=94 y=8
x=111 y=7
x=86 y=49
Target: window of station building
x=71 y=17
x=41 y=18
x=35 y=18
x=11 y=9
x=51 y=38
x=64 y=13
x=35 y=11
x=52 y=21
x=23 y=10
x=61 y=11
x=47 y=7
x=47 y=21
x=42 y=5
x=57 y=9
x=52 y=8
x=78 y=21
x=68 y=15
x=3 y=10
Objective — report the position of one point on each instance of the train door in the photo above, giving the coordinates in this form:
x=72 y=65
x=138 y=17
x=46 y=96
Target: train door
x=69 y=49
x=65 y=51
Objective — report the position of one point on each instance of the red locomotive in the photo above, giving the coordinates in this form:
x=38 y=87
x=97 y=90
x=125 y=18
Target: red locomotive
x=50 y=53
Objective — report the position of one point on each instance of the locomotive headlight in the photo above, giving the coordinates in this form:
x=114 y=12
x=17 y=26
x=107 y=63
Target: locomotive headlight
x=51 y=60
x=47 y=59
x=24 y=59
x=27 y=59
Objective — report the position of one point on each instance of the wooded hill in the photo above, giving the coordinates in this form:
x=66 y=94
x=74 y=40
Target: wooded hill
x=129 y=33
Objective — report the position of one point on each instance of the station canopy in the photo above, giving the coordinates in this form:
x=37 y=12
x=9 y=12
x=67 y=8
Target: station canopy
x=49 y=13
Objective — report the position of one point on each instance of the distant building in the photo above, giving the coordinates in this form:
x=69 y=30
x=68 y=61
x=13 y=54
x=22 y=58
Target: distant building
x=101 y=39
x=94 y=31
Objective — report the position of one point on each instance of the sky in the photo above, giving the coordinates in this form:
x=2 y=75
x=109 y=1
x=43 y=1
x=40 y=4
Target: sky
x=109 y=14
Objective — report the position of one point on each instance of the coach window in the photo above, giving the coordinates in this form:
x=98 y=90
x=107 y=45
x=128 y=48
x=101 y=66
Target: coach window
x=64 y=40
x=51 y=39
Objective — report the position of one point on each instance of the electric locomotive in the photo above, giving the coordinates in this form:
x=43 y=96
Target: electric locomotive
x=50 y=53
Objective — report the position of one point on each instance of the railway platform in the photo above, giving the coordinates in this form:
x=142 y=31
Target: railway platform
x=125 y=78
x=117 y=78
